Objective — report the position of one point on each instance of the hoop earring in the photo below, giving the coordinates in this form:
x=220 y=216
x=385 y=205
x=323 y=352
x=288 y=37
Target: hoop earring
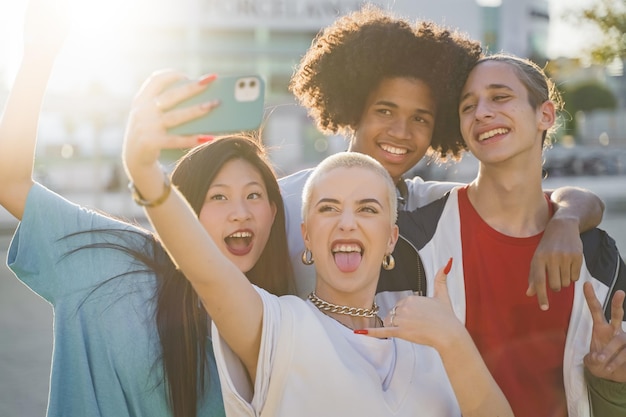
x=307 y=257
x=388 y=262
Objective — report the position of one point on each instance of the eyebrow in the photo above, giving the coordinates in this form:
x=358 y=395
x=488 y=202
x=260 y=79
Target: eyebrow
x=395 y=106
x=249 y=184
x=360 y=202
x=489 y=87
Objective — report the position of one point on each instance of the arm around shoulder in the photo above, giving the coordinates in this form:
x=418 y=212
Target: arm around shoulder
x=578 y=204
x=558 y=258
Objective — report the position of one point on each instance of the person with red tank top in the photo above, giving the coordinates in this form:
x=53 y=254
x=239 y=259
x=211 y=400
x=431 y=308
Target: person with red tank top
x=506 y=112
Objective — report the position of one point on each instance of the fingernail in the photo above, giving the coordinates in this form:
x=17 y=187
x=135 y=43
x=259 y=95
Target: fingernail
x=205 y=138
x=544 y=307
x=207 y=79
x=210 y=104
x=361 y=331
x=448 y=267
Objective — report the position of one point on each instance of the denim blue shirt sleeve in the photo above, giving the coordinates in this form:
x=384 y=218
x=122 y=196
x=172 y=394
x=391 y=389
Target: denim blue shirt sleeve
x=106 y=346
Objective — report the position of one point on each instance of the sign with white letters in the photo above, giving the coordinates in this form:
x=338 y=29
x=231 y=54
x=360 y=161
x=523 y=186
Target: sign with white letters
x=277 y=13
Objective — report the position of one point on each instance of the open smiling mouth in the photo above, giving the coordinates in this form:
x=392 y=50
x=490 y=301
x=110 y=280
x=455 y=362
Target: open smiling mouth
x=393 y=150
x=492 y=133
x=239 y=243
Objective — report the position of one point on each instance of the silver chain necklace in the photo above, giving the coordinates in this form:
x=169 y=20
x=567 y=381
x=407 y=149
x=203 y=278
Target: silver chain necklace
x=325 y=306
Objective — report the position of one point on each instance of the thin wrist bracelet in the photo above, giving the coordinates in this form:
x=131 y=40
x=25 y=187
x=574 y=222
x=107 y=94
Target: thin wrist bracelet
x=167 y=188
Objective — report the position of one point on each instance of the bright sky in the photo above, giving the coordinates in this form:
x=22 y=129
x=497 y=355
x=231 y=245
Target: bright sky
x=95 y=33
x=566 y=38
x=89 y=52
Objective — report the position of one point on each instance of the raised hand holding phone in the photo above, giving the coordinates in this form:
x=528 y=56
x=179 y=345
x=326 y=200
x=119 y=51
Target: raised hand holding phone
x=153 y=113
x=241 y=101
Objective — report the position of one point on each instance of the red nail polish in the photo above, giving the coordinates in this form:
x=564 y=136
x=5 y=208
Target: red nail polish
x=205 y=138
x=210 y=104
x=361 y=331
x=207 y=79
x=448 y=267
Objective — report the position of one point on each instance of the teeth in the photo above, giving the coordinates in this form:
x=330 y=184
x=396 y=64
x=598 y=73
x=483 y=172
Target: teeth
x=241 y=234
x=347 y=248
x=393 y=150
x=492 y=133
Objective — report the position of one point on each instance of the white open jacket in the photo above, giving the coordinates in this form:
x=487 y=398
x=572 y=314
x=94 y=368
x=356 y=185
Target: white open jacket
x=445 y=242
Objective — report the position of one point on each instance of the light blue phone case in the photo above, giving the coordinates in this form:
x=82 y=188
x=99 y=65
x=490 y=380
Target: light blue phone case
x=241 y=106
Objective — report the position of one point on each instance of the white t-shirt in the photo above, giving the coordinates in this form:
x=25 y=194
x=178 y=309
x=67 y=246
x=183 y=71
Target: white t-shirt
x=310 y=366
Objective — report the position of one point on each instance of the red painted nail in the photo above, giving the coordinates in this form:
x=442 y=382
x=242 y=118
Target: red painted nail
x=210 y=104
x=361 y=331
x=448 y=267
x=205 y=138
x=207 y=79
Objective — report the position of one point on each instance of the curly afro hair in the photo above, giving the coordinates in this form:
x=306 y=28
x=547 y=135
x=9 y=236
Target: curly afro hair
x=348 y=59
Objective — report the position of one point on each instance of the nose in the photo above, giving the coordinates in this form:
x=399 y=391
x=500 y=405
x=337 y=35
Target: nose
x=347 y=221
x=399 y=128
x=483 y=110
x=239 y=210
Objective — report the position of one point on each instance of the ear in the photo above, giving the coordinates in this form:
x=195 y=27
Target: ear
x=305 y=235
x=393 y=238
x=351 y=136
x=273 y=212
x=546 y=114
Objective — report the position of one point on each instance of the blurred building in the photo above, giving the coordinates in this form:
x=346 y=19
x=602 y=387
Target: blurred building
x=599 y=127
x=270 y=36
x=267 y=37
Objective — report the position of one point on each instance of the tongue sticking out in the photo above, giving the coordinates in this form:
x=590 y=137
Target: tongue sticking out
x=347 y=261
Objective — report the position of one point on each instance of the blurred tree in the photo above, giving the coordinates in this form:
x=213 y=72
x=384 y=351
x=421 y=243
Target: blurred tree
x=585 y=96
x=610 y=17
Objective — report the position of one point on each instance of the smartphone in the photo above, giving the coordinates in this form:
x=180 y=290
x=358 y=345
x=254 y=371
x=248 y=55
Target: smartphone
x=241 y=106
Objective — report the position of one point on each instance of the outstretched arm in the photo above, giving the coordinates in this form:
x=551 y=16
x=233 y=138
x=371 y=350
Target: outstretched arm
x=230 y=299
x=431 y=322
x=559 y=256
x=45 y=29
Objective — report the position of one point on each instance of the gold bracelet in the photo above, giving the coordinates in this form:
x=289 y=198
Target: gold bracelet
x=167 y=188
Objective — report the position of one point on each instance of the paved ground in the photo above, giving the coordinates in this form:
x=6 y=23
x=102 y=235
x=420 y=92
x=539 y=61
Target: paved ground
x=26 y=329
x=25 y=346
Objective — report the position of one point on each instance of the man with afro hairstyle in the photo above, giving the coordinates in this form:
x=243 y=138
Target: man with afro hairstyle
x=392 y=88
